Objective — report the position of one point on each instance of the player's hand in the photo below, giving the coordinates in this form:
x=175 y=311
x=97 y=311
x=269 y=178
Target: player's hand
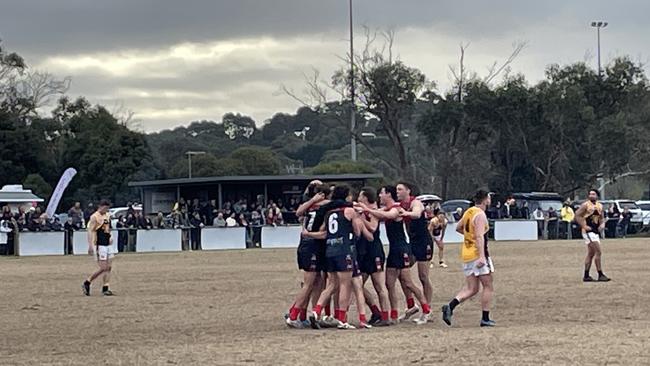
x=481 y=262
x=318 y=197
x=601 y=227
x=110 y=240
x=91 y=251
x=304 y=233
x=586 y=229
x=403 y=212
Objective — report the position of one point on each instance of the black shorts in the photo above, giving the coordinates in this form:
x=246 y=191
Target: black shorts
x=399 y=258
x=374 y=259
x=341 y=263
x=422 y=250
x=310 y=257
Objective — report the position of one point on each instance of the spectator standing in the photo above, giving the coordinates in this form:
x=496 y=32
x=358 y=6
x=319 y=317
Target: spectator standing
x=256 y=228
x=498 y=210
x=69 y=228
x=20 y=219
x=159 y=221
x=76 y=214
x=122 y=234
x=209 y=212
x=509 y=208
x=147 y=223
x=90 y=209
x=567 y=215
x=525 y=211
x=219 y=220
x=185 y=225
x=132 y=225
x=614 y=217
x=8 y=229
x=624 y=224
x=552 y=223
x=195 y=231
x=538 y=215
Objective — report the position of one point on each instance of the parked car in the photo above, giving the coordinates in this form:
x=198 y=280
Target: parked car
x=450 y=207
x=116 y=212
x=544 y=200
x=645 y=211
x=428 y=199
x=636 y=222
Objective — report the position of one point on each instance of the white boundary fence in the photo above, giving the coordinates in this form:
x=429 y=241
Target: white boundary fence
x=170 y=240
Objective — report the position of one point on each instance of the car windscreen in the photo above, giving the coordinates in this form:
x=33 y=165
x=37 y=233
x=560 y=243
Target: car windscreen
x=629 y=205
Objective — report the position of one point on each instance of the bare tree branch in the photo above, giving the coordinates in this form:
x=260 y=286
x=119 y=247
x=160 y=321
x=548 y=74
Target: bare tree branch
x=494 y=72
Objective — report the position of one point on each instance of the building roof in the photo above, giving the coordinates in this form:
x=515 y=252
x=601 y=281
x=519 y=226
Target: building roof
x=254 y=179
x=16 y=194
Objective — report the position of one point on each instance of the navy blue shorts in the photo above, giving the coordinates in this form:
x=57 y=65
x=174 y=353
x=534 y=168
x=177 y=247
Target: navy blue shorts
x=340 y=263
x=374 y=259
x=400 y=258
x=422 y=250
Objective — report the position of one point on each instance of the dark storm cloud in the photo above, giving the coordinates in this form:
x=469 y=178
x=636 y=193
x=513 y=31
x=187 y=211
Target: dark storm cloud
x=174 y=61
x=72 y=26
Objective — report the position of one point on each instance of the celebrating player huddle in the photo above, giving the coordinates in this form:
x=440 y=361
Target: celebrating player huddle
x=340 y=248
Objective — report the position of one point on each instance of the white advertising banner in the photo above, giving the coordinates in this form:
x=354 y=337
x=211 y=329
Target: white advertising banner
x=41 y=243
x=158 y=241
x=281 y=236
x=223 y=238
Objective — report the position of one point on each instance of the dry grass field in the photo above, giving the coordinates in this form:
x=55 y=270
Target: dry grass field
x=225 y=308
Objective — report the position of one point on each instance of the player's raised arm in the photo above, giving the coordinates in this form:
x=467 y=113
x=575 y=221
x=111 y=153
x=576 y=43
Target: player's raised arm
x=416 y=210
x=391 y=214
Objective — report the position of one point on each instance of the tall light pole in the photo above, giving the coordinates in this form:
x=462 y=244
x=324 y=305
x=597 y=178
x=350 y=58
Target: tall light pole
x=353 y=110
x=598 y=25
x=189 y=160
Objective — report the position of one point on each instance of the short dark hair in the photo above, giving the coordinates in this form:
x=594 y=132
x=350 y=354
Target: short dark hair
x=104 y=203
x=480 y=196
x=370 y=194
x=595 y=191
x=322 y=188
x=410 y=186
x=341 y=192
x=392 y=190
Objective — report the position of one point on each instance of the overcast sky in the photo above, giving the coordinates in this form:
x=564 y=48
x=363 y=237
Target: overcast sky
x=173 y=62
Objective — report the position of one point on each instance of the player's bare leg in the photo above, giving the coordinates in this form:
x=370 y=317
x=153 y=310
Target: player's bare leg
x=358 y=288
x=411 y=307
x=103 y=267
x=345 y=294
x=302 y=299
x=486 y=299
x=371 y=301
x=427 y=287
x=407 y=281
x=467 y=292
x=106 y=278
x=591 y=252
x=391 y=282
x=597 y=261
x=441 y=257
x=379 y=283
x=324 y=298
